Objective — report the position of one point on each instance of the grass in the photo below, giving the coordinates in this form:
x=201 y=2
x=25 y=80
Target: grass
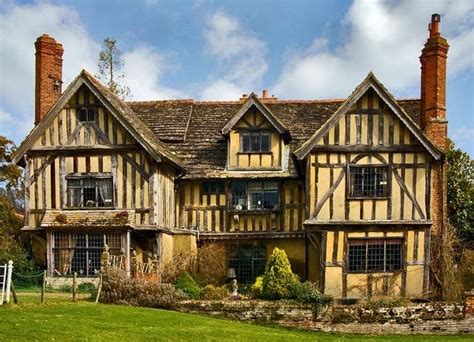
x=61 y=319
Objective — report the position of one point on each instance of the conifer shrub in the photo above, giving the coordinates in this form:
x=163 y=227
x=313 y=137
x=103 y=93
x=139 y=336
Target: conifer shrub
x=117 y=288
x=278 y=279
x=188 y=285
x=211 y=292
x=256 y=288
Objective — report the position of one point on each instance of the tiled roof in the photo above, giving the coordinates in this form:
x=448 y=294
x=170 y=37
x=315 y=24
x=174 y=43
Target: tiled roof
x=88 y=218
x=192 y=129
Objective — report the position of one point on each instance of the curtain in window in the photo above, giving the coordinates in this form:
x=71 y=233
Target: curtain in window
x=105 y=192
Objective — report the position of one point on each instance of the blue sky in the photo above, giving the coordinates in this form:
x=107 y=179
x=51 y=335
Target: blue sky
x=221 y=49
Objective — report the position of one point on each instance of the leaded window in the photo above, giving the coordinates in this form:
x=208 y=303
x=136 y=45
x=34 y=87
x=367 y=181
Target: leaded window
x=255 y=142
x=80 y=252
x=248 y=262
x=89 y=191
x=86 y=114
x=375 y=255
x=255 y=195
x=213 y=187
x=368 y=181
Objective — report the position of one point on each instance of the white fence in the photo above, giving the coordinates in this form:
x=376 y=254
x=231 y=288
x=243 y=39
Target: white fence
x=5 y=282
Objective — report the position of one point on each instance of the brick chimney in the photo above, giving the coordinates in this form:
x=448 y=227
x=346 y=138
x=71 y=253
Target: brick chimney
x=48 y=79
x=433 y=85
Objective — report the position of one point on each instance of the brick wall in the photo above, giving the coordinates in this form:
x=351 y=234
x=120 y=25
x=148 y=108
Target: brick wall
x=48 y=74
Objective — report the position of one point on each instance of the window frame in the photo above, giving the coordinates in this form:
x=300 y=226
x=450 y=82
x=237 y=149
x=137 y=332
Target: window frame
x=213 y=187
x=90 y=111
x=83 y=177
x=366 y=242
x=246 y=196
x=259 y=134
x=350 y=182
x=237 y=261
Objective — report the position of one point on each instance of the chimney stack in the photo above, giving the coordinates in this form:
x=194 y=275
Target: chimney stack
x=48 y=78
x=433 y=85
x=265 y=93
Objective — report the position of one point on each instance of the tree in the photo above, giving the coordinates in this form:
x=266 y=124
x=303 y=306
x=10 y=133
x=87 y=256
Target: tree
x=278 y=279
x=460 y=192
x=13 y=246
x=110 y=65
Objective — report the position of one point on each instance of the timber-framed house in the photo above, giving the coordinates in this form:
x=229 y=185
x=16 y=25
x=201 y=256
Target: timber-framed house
x=352 y=189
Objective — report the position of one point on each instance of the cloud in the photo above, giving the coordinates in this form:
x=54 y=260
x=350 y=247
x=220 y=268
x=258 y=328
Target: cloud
x=20 y=25
x=143 y=68
x=241 y=58
x=381 y=36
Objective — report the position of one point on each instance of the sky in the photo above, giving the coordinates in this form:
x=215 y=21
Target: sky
x=218 y=50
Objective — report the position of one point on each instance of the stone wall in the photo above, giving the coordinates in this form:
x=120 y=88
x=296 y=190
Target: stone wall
x=437 y=318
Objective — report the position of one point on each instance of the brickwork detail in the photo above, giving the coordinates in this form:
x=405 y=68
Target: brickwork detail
x=48 y=83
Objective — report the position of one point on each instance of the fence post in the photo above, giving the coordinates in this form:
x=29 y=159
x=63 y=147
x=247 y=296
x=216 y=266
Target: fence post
x=74 y=286
x=99 y=289
x=43 y=288
x=9 y=280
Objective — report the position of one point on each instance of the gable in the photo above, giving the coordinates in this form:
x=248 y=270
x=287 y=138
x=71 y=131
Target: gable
x=118 y=109
x=67 y=129
x=386 y=100
x=257 y=105
x=369 y=122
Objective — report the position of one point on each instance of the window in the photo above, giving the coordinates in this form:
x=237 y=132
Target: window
x=209 y=188
x=255 y=195
x=89 y=191
x=255 y=142
x=368 y=181
x=80 y=252
x=378 y=255
x=86 y=114
x=248 y=262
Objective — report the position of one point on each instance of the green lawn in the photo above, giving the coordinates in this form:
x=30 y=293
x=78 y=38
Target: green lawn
x=60 y=319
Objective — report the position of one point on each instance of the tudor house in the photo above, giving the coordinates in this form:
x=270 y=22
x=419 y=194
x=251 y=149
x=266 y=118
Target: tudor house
x=353 y=189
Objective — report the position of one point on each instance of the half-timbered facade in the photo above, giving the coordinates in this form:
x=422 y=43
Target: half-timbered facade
x=351 y=189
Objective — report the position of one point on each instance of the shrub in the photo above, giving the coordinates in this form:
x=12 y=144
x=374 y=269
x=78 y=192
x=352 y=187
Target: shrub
x=117 y=288
x=182 y=262
x=211 y=292
x=256 y=289
x=211 y=265
x=307 y=292
x=186 y=283
x=278 y=278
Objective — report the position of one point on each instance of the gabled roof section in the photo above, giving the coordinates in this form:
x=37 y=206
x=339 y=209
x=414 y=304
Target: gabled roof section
x=369 y=82
x=120 y=110
x=253 y=100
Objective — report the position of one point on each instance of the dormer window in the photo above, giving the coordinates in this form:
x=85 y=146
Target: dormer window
x=86 y=114
x=255 y=142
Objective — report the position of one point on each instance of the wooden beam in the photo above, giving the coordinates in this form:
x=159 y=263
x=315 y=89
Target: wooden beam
x=80 y=149
x=367 y=148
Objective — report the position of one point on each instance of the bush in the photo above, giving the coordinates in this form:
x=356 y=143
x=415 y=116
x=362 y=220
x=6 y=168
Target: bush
x=211 y=265
x=307 y=292
x=117 y=288
x=186 y=283
x=182 y=262
x=278 y=278
x=211 y=292
x=256 y=289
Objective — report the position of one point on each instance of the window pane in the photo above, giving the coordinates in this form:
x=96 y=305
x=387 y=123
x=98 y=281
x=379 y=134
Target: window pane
x=245 y=142
x=270 y=200
x=369 y=181
x=375 y=257
x=239 y=196
x=357 y=257
x=90 y=192
x=394 y=256
x=255 y=191
x=265 y=141
x=248 y=262
x=255 y=142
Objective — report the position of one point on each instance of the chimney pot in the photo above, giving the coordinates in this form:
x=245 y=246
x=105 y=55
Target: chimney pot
x=433 y=27
x=264 y=93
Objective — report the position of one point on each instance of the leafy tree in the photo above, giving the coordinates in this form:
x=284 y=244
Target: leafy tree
x=110 y=65
x=278 y=279
x=461 y=191
x=13 y=246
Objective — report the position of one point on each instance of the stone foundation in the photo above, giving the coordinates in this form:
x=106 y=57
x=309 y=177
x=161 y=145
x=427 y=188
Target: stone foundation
x=437 y=318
